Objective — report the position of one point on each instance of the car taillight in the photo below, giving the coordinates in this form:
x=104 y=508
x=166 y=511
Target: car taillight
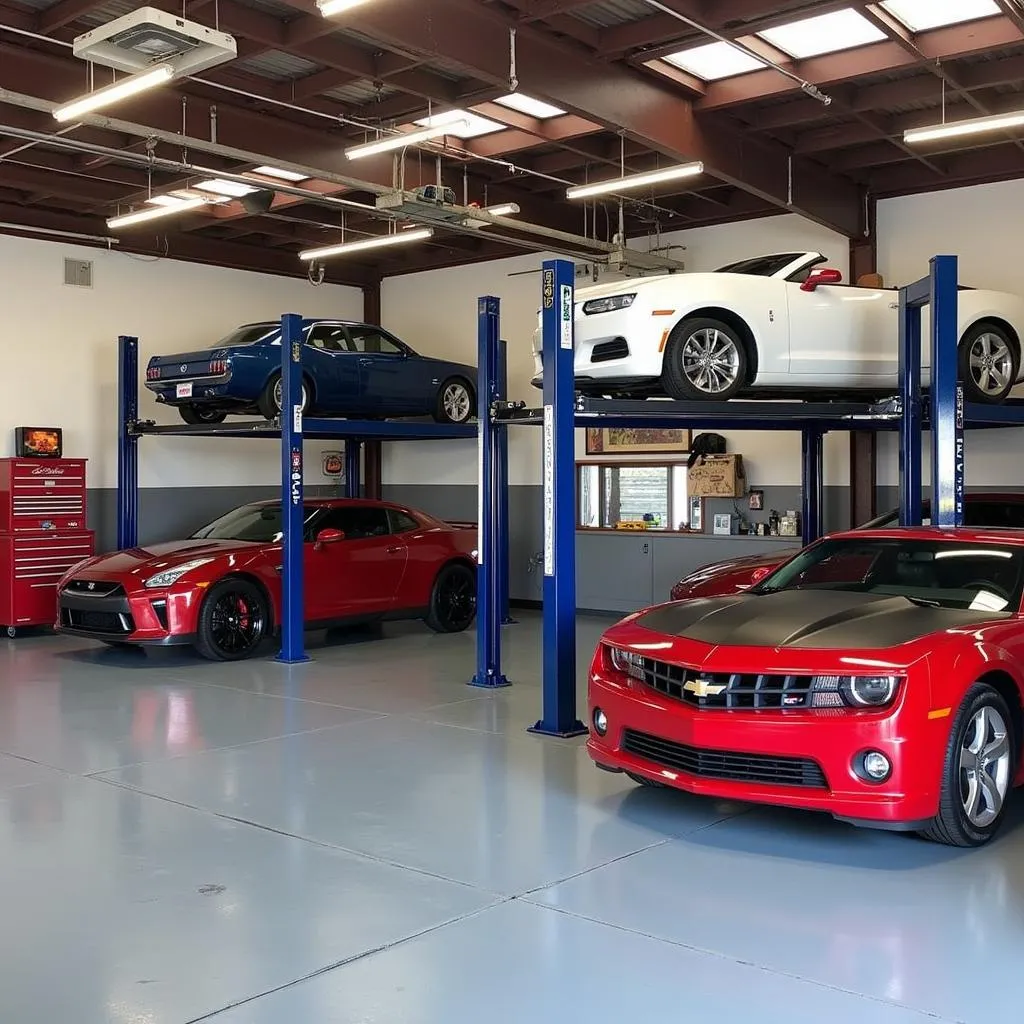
x=218 y=366
x=153 y=373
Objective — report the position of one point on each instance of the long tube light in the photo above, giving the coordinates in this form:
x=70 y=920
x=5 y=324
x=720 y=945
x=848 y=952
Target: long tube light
x=602 y=188
x=328 y=8
x=392 y=142
x=343 y=248
x=149 y=79
x=502 y=209
x=154 y=213
x=972 y=126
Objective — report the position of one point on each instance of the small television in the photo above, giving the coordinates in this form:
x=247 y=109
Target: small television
x=38 y=442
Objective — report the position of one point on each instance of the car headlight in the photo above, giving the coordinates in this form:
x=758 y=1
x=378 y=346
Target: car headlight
x=854 y=691
x=627 y=662
x=169 y=577
x=608 y=303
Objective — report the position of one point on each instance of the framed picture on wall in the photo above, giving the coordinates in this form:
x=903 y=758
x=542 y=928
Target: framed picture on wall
x=635 y=441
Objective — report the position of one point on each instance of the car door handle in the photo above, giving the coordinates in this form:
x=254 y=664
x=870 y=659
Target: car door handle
x=365 y=362
x=393 y=550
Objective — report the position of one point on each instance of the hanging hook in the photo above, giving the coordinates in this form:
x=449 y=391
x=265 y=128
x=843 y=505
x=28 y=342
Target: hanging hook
x=513 y=81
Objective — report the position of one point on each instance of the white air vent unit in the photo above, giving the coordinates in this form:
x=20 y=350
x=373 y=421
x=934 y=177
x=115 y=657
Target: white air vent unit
x=77 y=273
x=149 y=36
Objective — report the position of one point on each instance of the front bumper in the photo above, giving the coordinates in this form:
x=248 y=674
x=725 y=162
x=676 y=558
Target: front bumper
x=799 y=758
x=154 y=618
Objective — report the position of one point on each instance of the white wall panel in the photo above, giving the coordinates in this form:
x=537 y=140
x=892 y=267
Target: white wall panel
x=59 y=350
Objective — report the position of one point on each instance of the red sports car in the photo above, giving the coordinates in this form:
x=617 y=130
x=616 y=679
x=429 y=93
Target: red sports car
x=220 y=590
x=739 y=574
x=877 y=676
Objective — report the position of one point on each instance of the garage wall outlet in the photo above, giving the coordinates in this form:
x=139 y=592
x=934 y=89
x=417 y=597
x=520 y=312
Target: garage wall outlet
x=78 y=273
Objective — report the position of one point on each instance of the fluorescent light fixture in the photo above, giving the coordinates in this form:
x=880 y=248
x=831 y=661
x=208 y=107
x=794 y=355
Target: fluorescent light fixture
x=502 y=209
x=154 y=213
x=328 y=8
x=714 y=61
x=343 y=248
x=463 y=124
x=387 y=143
x=529 y=106
x=921 y=15
x=972 y=126
x=279 y=172
x=165 y=200
x=825 y=33
x=602 y=188
x=224 y=187
x=130 y=86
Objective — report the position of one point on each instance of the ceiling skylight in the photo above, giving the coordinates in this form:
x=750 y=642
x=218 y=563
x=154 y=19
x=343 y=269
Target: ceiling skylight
x=714 y=60
x=529 y=106
x=477 y=125
x=825 y=33
x=279 y=172
x=224 y=187
x=921 y=15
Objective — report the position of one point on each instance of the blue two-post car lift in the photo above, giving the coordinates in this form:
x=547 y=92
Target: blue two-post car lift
x=293 y=429
x=944 y=412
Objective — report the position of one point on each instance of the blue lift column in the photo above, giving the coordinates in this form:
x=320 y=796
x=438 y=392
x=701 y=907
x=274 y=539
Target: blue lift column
x=812 y=446
x=947 y=397
x=501 y=486
x=558 y=303
x=127 y=443
x=912 y=298
x=353 y=488
x=292 y=511
x=488 y=574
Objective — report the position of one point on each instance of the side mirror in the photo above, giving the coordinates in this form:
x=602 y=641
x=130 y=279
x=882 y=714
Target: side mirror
x=827 y=275
x=328 y=536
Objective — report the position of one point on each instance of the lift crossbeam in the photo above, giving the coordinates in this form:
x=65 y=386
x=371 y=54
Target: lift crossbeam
x=315 y=428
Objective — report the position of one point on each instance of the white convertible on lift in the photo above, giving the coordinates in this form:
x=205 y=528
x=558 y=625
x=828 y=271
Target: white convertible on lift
x=778 y=323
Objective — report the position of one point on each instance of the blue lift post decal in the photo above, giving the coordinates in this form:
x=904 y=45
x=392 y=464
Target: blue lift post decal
x=292 y=513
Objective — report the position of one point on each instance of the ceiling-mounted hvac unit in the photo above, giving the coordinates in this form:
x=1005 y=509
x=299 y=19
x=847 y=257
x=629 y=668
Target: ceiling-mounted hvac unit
x=148 y=36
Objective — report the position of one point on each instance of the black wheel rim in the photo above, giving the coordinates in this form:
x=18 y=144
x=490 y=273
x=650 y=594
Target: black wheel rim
x=236 y=623
x=456 y=600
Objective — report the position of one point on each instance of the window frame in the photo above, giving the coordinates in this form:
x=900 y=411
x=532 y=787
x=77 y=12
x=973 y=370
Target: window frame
x=403 y=350
x=675 y=516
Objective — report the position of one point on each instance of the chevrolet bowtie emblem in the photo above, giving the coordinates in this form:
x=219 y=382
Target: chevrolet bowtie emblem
x=703 y=687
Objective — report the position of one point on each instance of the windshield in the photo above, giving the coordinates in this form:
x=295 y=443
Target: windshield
x=258 y=523
x=974 y=575
x=761 y=266
x=247 y=335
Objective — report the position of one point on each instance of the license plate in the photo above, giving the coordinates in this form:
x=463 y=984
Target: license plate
x=184 y=390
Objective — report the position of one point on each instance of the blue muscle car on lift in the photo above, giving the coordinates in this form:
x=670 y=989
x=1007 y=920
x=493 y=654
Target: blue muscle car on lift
x=349 y=369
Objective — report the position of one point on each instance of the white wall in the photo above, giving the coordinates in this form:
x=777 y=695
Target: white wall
x=982 y=226
x=436 y=312
x=59 y=350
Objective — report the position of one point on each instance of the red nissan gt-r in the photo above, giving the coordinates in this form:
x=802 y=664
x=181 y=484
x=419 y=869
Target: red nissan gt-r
x=220 y=590
x=877 y=676
x=996 y=511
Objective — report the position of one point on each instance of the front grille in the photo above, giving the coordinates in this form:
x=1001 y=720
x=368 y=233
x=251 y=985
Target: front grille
x=724 y=764
x=721 y=690
x=607 y=350
x=94 y=588
x=114 y=623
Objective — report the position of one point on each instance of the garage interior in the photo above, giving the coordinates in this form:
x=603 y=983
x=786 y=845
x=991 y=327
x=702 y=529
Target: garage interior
x=336 y=839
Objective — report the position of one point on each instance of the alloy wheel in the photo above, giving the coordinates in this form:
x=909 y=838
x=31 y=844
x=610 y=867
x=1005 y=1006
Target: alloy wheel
x=991 y=363
x=236 y=623
x=456 y=402
x=984 y=766
x=279 y=395
x=711 y=361
x=456 y=600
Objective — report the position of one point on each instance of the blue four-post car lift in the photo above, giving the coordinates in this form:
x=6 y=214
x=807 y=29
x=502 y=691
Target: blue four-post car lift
x=293 y=429
x=945 y=413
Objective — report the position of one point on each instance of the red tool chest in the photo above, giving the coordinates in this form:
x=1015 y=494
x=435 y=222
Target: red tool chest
x=42 y=534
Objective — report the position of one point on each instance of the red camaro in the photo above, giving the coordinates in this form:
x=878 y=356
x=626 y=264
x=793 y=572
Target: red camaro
x=877 y=676
x=220 y=590
x=738 y=574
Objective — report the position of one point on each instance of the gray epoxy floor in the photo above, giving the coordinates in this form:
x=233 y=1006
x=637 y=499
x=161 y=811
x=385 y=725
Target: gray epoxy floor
x=366 y=839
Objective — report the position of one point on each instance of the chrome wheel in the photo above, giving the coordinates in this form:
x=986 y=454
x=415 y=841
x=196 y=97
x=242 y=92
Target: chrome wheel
x=984 y=767
x=456 y=402
x=710 y=361
x=279 y=394
x=991 y=363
